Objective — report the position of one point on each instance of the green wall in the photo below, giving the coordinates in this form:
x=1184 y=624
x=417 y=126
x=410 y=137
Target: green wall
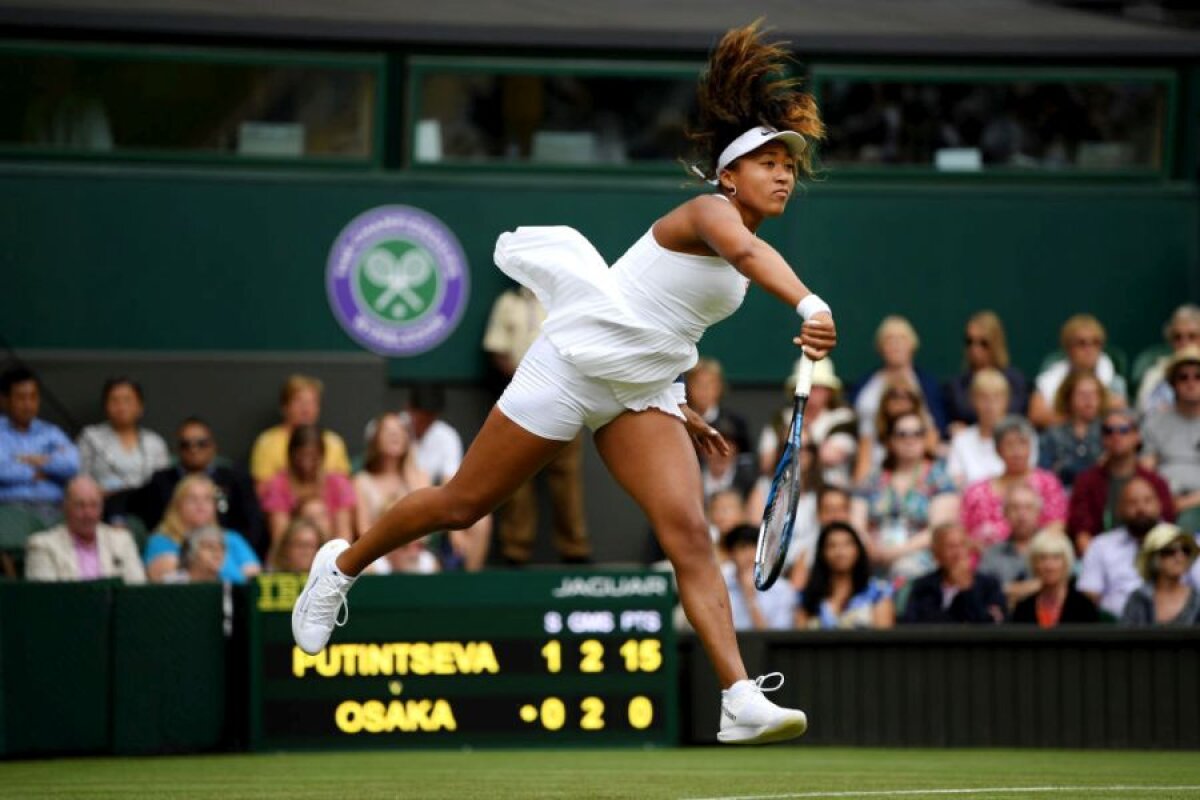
x=98 y=667
x=214 y=259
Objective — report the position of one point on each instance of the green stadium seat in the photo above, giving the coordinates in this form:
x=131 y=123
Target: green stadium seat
x=16 y=526
x=1189 y=520
x=1144 y=361
x=137 y=529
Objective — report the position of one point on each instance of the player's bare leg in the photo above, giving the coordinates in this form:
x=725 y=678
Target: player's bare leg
x=502 y=457
x=651 y=456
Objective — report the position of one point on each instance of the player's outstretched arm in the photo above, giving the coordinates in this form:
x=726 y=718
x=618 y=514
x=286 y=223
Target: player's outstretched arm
x=720 y=226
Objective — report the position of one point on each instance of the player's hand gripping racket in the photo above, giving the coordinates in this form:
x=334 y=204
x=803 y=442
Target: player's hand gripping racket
x=775 y=534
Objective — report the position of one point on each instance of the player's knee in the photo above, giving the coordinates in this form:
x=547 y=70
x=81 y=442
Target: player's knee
x=687 y=543
x=462 y=510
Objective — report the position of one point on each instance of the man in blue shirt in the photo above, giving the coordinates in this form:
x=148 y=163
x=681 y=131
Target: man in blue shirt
x=36 y=458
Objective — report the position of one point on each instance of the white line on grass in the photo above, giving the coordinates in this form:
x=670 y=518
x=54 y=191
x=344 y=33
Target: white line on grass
x=929 y=792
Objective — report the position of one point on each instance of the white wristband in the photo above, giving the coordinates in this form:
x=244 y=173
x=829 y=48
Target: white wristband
x=812 y=305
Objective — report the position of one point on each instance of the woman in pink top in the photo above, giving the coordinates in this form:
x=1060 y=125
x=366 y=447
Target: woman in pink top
x=304 y=478
x=983 y=501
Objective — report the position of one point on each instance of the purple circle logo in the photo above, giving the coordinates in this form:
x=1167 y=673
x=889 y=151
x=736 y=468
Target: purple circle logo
x=397 y=280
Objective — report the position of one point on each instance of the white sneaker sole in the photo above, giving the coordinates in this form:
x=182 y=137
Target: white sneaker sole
x=791 y=728
x=301 y=601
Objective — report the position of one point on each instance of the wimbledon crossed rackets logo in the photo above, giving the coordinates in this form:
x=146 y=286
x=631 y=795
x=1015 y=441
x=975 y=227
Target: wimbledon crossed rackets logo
x=397 y=280
x=394 y=280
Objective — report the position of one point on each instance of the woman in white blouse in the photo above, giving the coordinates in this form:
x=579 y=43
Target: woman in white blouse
x=973 y=454
x=119 y=453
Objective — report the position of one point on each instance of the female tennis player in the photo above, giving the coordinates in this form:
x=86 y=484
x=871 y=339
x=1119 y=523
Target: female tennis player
x=612 y=345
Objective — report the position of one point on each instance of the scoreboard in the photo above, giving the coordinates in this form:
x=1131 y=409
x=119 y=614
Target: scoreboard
x=511 y=659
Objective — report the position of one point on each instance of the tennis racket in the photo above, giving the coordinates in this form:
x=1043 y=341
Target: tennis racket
x=775 y=533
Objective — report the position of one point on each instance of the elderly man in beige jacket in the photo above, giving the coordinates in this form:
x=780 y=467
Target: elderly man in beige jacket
x=82 y=547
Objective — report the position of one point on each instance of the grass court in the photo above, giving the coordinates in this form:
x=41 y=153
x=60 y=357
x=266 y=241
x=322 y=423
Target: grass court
x=770 y=773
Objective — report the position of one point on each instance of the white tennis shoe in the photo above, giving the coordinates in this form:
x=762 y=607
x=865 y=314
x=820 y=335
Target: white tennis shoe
x=320 y=605
x=748 y=717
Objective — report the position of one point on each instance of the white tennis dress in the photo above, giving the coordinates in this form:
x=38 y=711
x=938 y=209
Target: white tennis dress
x=613 y=339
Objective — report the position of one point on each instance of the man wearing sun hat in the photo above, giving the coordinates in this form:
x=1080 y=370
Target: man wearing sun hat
x=1172 y=435
x=1167 y=555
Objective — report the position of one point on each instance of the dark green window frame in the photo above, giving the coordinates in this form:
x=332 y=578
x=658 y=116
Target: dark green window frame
x=821 y=73
x=375 y=63
x=418 y=66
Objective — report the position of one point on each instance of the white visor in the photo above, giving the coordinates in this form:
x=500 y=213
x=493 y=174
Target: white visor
x=756 y=138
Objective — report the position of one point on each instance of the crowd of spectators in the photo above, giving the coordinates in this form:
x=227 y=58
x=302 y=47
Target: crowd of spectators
x=115 y=503
x=985 y=498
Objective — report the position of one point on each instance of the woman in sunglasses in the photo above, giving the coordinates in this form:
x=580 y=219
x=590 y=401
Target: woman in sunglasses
x=984 y=347
x=903 y=498
x=899 y=397
x=1167 y=555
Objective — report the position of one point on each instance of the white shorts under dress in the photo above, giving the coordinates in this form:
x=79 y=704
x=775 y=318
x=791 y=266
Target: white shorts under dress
x=549 y=397
x=614 y=339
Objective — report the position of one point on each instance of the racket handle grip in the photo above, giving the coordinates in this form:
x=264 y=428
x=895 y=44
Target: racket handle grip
x=804 y=376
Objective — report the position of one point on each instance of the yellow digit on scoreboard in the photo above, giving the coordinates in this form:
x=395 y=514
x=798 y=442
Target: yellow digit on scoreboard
x=641 y=712
x=552 y=652
x=593 y=714
x=593 y=656
x=644 y=655
x=554 y=713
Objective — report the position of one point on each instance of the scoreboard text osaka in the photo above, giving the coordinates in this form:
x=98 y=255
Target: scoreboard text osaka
x=494 y=658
